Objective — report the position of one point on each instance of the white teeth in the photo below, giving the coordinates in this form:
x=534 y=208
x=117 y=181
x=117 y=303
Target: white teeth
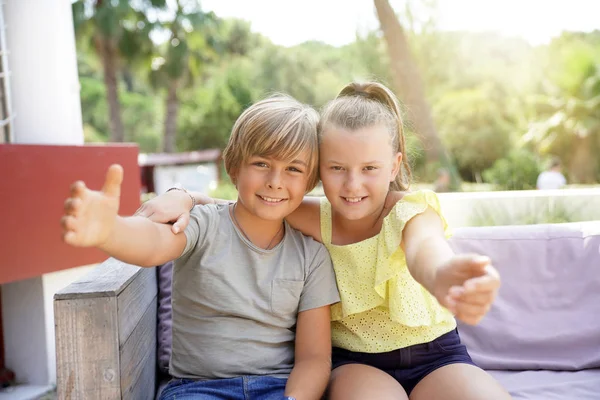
x=353 y=199
x=270 y=199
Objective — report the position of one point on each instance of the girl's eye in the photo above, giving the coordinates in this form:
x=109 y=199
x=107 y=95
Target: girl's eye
x=336 y=168
x=294 y=169
x=370 y=168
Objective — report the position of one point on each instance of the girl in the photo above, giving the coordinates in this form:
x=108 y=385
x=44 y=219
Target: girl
x=393 y=332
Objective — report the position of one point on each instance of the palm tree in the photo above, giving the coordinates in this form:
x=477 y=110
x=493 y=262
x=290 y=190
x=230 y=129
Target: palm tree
x=118 y=32
x=192 y=43
x=409 y=85
x=572 y=125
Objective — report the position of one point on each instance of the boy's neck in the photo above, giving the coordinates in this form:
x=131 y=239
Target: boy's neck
x=265 y=234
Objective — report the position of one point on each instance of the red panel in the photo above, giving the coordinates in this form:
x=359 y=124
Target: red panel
x=34 y=183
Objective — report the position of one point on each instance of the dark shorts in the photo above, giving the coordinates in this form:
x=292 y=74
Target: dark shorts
x=410 y=364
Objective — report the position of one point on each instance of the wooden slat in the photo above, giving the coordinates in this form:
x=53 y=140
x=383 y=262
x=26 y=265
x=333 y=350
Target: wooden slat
x=87 y=349
x=138 y=358
x=133 y=301
x=108 y=279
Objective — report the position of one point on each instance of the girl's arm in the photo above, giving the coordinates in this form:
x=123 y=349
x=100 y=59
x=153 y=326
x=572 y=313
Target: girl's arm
x=465 y=284
x=312 y=366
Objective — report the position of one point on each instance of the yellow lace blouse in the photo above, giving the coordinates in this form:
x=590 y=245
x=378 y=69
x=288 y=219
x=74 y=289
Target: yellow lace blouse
x=382 y=307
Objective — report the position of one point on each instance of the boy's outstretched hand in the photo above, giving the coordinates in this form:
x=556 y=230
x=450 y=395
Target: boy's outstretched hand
x=467 y=285
x=90 y=215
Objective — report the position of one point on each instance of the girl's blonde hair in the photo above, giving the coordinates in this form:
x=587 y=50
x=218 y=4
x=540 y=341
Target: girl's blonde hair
x=361 y=105
x=280 y=127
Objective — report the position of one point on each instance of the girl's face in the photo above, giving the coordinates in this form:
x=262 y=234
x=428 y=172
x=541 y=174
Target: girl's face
x=356 y=169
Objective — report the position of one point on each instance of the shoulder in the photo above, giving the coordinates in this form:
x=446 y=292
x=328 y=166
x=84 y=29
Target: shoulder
x=306 y=245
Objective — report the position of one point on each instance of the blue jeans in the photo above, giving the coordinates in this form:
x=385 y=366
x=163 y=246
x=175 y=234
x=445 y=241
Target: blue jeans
x=242 y=388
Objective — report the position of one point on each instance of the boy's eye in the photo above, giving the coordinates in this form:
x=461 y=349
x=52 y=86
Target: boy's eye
x=260 y=164
x=370 y=168
x=294 y=169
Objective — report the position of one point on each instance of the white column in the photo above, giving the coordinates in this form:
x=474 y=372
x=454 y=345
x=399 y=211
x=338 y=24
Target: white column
x=44 y=80
x=45 y=100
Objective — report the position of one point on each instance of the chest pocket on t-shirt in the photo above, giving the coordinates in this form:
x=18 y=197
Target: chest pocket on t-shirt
x=285 y=296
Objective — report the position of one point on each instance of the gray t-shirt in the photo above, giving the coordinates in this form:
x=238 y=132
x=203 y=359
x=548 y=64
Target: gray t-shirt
x=235 y=305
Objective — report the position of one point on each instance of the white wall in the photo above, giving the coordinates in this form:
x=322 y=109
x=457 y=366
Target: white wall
x=511 y=207
x=44 y=79
x=45 y=100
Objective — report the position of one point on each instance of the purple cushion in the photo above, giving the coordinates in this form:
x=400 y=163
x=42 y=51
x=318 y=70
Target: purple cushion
x=163 y=329
x=546 y=312
x=551 y=385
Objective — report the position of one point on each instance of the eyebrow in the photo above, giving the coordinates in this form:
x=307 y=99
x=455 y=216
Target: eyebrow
x=364 y=163
x=299 y=162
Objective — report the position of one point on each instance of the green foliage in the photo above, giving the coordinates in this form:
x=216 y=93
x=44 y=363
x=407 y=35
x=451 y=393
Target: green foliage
x=225 y=190
x=548 y=213
x=486 y=91
x=517 y=171
x=141 y=115
x=474 y=128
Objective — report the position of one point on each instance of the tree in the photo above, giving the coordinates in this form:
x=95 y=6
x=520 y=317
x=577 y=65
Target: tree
x=192 y=43
x=117 y=31
x=408 y=82
x=569 y=110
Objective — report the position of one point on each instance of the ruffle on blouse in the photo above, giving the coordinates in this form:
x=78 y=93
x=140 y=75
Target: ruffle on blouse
x=389 y=283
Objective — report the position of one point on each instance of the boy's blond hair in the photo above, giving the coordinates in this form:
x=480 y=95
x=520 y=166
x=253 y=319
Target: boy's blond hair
x=280 y=127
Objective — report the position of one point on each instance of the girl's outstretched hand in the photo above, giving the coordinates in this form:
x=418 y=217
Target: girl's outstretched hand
x=467 y=285
x=90 y=215
x=172 y=206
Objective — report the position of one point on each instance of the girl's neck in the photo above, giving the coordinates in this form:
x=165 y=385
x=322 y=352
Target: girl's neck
x=345 y=231
x=265 y=234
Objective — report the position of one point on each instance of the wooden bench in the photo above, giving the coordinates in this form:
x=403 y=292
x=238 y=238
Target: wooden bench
x=106 y=334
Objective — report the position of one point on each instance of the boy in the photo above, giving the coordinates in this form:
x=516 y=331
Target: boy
x=251 y=295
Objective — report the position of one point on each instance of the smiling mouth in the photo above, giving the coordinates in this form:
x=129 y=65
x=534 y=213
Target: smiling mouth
x=271 y=200
x=354 y=199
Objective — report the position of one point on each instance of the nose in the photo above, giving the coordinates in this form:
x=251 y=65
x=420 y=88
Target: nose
x=352 y=182
x=274 y=180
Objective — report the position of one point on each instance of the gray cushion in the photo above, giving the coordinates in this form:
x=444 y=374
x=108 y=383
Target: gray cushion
x=163 y=330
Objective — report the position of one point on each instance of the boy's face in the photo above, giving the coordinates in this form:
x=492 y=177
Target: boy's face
x=271 y=189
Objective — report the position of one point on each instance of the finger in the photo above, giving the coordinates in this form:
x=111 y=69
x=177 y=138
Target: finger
x=72 y=205
x=112 y=183
x=181 y=223
x=450 y=304
x=70 y=238
x=143 y=211
x=68 y=223
x=471 y=313
x=484 y=283
x=477 y=298
x=77 y=189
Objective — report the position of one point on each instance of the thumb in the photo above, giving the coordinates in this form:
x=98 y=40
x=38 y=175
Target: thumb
x=181 y=223
x=112 y=183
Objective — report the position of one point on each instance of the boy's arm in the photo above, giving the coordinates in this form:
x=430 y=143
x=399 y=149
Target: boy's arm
x=91 y=220
x=312 y=367
x=139 y=241
x=466 y=284
x=174 y=206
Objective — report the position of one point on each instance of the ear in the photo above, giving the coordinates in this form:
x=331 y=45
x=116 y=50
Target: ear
x=233 y=176
x=397 y=163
